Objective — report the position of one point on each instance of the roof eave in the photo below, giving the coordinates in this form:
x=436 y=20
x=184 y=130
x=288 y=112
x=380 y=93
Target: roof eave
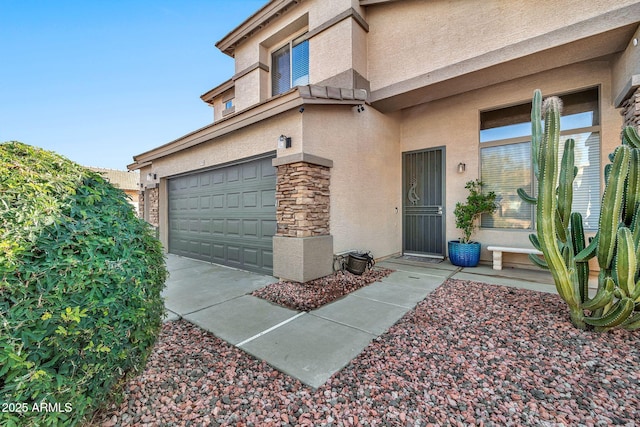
x=254 y=23
x=218 y=90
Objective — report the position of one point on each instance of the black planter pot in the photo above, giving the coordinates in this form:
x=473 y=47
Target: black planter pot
x=464 y=254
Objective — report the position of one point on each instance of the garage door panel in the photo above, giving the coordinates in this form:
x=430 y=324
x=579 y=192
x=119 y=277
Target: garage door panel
x=267 y=259
x=268 y=198
x=250 y=257
x=233 y=200
x=233 y=254
x=268 y=227
x=250 y=199
x=218 y=226
x=250 y=172
x=233 y=174
x=225 y=215
x=250 y=228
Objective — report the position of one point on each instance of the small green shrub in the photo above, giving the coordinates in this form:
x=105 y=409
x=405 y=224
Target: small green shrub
x=80 y=283
x=467 y=214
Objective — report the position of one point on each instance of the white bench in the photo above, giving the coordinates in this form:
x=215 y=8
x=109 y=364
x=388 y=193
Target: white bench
x=498 y=250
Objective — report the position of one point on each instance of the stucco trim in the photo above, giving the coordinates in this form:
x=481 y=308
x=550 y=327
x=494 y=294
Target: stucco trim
x=221 y=88
x=256 y=66
x=302 y=157
x=632 y=84
x=349 y=13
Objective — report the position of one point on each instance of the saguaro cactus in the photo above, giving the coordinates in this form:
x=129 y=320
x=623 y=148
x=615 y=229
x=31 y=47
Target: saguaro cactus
x=560 y=234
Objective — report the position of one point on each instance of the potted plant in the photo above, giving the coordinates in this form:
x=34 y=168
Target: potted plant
x=464 y=252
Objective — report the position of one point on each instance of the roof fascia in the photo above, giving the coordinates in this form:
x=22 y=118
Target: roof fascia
x=223 y=87
x=255 y=22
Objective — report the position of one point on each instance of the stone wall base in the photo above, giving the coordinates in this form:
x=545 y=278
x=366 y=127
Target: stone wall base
x=301 y=259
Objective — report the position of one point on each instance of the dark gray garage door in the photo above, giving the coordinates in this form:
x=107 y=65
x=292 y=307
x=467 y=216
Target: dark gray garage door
x=226 y=215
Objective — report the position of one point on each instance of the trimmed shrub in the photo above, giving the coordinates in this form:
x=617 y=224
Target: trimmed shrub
x=80 y=283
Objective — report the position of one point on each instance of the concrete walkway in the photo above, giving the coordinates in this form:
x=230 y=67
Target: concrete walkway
x=312 y=346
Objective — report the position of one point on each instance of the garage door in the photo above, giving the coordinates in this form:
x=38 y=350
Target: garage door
x=226 y=215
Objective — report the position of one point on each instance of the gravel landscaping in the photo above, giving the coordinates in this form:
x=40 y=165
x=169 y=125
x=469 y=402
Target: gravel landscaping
x=469 y=354
x=316 y=293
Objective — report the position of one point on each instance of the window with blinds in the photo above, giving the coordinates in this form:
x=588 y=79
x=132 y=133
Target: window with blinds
x=505 y=155
x=290 y=66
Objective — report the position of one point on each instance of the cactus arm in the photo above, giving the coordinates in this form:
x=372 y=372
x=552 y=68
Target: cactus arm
x=630 y=137
x=632 y=323
x=582 y=267
x=635 y=294
x=626 y=263
x=602 y=297
x=547 y=204
x=612 y=201
x=526 y=197
x=536 y=260
x=590 y=251
x=533 y=238
x=633 y=187
x=536 y=130
x=560 y=227
x=565 y=188
x=619 y=312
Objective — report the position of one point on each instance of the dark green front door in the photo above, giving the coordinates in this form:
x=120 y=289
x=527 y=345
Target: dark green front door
x=225 y=215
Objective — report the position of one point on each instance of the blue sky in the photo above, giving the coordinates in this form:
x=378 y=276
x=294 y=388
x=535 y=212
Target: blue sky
x=100 y=81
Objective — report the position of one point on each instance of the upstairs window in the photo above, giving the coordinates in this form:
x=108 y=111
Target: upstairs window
x=290 y=66
x=228 y=104
x=506 y=164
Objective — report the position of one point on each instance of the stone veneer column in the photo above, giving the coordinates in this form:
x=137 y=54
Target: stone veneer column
x=141 y=204
x=631 y=110
x=302 y=246
x=153 y=206
x=302 y=196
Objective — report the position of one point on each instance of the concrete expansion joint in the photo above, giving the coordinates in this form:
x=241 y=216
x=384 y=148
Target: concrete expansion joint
x=273 y=328
x=453 y=273
x=373 y=334
x=382 y=302
x=209 y=306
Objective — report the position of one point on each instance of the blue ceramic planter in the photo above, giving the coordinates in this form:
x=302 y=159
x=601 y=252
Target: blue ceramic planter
x=464 y=254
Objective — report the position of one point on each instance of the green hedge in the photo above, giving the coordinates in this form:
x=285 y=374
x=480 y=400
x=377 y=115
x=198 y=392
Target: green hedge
x=80 y=283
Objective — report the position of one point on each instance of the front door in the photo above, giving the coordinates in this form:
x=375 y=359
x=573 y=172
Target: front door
x=423 y=202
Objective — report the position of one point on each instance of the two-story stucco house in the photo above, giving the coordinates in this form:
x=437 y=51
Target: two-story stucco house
x=354 y=124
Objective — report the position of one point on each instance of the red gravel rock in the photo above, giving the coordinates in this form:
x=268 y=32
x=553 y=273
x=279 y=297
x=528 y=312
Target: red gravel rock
x=469 y=354
x=310 y=295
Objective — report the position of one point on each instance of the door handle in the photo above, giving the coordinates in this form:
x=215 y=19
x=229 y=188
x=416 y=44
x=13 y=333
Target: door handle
x=439 y=210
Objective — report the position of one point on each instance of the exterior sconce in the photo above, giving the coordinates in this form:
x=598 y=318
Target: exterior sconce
x=152 y=176
x=284 y=141
x=462 y=167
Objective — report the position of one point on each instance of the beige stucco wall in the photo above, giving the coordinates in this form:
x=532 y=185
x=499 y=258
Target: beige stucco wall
x=333 y=51
x=454 y=122
x=413 y=37
x=625 y=67
x=248 y=90
x=365 y=178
